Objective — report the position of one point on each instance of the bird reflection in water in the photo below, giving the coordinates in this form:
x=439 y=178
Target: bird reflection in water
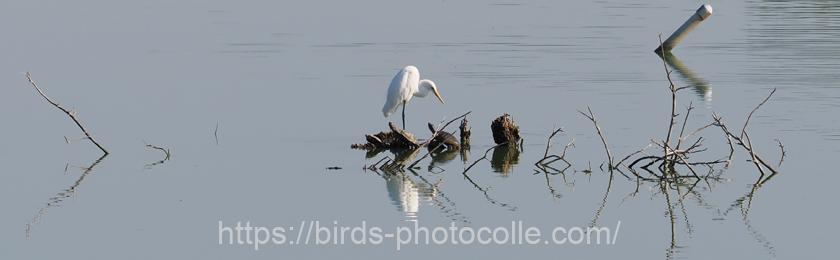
x=404 y=192
x=408 y=189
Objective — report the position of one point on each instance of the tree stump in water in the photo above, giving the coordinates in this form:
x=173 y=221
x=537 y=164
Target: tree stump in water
x=465 y=132
x=505 y=130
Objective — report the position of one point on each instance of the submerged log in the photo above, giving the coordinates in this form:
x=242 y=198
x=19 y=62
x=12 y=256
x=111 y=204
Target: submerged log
x=396 y=138
x=505 y=130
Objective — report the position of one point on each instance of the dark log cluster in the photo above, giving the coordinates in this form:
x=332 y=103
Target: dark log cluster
x=396 y=138
x=504 y=130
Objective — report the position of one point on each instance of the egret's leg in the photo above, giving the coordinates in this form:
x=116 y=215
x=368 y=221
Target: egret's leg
x=403 y=115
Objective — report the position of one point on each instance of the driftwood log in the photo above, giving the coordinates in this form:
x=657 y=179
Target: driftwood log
x=396 y=138
x=402 y=139
x=505 y=130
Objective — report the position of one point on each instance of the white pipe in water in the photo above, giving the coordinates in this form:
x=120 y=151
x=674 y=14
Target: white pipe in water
x=700 y=15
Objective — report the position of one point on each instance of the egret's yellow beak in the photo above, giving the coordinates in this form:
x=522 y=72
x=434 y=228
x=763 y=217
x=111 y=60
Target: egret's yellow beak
x=437 y=94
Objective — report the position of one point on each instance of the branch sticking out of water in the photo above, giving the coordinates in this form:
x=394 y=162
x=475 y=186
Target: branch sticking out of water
x=781 y=147
x=69 y=113
x=746 y=122
x=591 y=117
x=744 y=140
x=548 y=143
x=673 y=90
x=549 y=159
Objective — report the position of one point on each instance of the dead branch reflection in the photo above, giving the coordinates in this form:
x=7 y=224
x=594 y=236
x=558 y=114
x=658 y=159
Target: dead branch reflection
x=58 y=198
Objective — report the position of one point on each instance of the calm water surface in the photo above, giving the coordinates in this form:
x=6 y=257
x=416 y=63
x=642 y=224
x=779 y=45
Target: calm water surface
x=292 y=84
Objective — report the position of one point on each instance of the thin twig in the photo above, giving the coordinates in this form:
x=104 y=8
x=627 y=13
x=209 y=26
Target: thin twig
x=542 y=162
x=591 y=117
x=68 y=112
x=687 y=164
x=752 y=153
x=741 y=142
x=548 y=143
x=634 y=153
x=744 y=129
x=782 y=148
x=673 y=90
x=565 y=148
x=216 y=133
x=719 y=121
x=743 y=137
x=685 y=121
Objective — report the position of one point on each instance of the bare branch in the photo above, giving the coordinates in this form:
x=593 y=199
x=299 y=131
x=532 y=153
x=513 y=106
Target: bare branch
x=634 y=153
x=782 y=148
x=548 y=143
x=752 y=153
x=741 y=142
x=591 y=117
x=744 y=129
x=673 y=90
x=68 y=112
x=685 y=121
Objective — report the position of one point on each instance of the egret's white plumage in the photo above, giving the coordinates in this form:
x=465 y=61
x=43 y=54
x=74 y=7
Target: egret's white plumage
x=405 y=85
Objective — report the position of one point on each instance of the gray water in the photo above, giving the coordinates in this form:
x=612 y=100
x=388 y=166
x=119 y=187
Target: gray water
x=256 y=99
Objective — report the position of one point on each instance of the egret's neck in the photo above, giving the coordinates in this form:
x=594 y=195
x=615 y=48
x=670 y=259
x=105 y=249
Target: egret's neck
x=424 y=88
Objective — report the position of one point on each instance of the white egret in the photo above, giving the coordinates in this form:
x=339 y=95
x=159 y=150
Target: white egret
x=405 y=85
